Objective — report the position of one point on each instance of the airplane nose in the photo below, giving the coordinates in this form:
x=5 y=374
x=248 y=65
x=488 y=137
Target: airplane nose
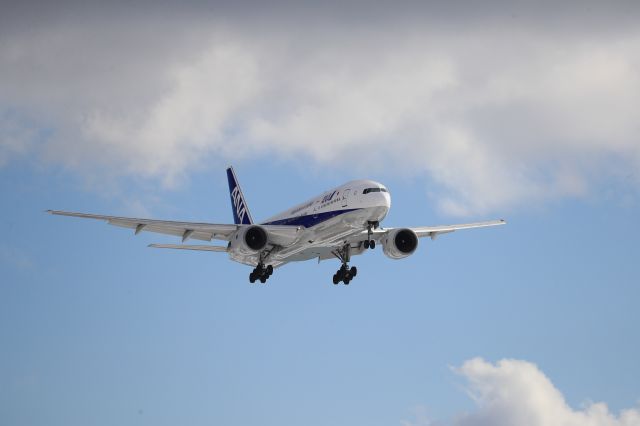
x=384 y=204
x=384 y=200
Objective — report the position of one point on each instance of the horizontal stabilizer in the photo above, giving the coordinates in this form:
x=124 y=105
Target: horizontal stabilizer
x=189 y=247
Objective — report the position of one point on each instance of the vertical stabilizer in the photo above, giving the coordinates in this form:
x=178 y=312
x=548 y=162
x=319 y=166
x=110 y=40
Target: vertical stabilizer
x=241 y=215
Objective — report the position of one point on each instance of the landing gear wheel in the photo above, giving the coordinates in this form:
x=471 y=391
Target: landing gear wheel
x=346 y=274
x=261 y=272
x=370 y=244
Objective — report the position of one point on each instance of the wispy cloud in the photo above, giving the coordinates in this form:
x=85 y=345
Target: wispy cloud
x=499 y=109
x=419 y=417
x=14 y=257
x=16 y=136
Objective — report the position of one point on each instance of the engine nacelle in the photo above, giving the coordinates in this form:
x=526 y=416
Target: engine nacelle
x=249 y=240
x=399 y=243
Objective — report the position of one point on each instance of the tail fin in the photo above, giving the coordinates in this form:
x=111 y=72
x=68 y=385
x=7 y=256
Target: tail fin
x=241 y=215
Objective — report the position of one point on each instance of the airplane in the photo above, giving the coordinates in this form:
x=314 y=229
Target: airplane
x=340 y=223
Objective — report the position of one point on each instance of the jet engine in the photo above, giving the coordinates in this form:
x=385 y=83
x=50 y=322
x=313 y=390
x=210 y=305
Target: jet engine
x=399 y=243
x=249 y=239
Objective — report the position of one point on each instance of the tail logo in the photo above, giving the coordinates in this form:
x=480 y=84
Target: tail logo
x=238 y=204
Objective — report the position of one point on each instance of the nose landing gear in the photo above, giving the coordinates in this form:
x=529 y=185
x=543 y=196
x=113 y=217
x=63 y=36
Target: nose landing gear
x=369 y=243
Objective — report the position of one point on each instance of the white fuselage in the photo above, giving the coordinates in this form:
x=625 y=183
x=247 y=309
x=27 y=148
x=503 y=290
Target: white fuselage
x=337 y=215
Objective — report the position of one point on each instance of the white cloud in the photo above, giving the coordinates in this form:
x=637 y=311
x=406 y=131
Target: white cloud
x=514 y=392
x=186 y=121
x=497 y=115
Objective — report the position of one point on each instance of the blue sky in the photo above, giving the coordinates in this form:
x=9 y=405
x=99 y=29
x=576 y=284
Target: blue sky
x=533 y=323
x=98 y=328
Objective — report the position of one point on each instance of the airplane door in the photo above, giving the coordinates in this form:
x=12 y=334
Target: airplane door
x=345 y=196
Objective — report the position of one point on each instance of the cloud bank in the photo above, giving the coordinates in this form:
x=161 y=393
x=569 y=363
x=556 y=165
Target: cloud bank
x=495 y=108
x=514 y=392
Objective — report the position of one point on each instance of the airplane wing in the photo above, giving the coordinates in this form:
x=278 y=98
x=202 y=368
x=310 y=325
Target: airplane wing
x=186 y=230
x=324 y=249
x=434 y=231
x=190 y=247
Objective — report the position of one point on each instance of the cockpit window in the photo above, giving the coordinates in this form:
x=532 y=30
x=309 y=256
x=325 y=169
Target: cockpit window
x=368 y=190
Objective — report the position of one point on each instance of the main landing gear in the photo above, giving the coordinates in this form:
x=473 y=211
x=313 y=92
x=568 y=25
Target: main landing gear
x=261 y=273
x=369 y=243
x=344 y=274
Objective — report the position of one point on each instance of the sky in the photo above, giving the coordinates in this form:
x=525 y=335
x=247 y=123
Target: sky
x=510 y=110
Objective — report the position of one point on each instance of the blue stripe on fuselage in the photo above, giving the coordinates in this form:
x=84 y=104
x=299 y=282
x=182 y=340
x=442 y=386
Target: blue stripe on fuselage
x=309 y=220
